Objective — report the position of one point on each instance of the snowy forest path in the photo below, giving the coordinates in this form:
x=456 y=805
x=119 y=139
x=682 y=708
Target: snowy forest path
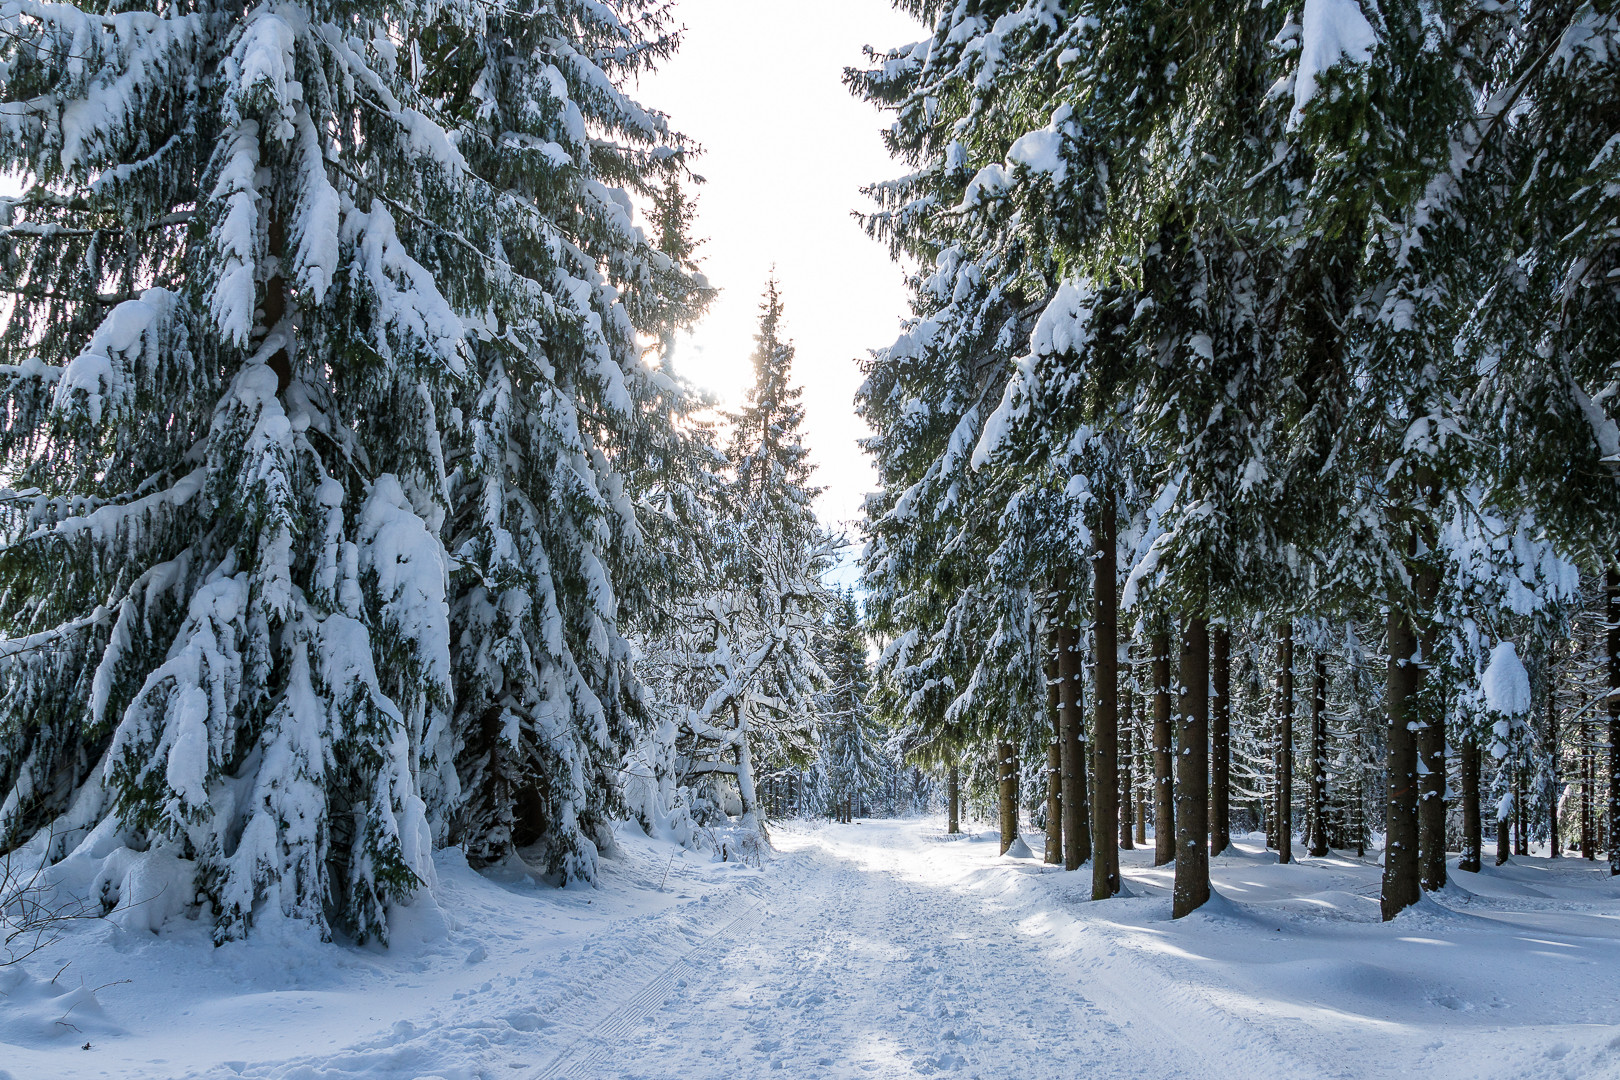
x=866 y=962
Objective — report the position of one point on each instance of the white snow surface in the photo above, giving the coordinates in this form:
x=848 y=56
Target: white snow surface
x=1506 y=683
x=879 y=949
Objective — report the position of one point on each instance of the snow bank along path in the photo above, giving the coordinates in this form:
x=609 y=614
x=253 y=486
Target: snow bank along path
x=884 y=949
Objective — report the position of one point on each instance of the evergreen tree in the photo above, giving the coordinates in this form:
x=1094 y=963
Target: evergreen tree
x=952 y=581
x=560 y=420
x=749 y=647
x=299 y=295
x=852 y=751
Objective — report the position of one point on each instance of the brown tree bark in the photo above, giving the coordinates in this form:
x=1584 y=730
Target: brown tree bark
x=1472 y=837
x=1285 y=743
x=1521 y=814
x=1220 y=740
x=273 y=305
x=1076 y=827
x=1105 y=717
x=1127 y=761
x=1588 y=778
x=1401 y=886
x=1316 y=827
x=1431 y=748
x=1613 y=642
x=1054 y=756
x=1054 y=802
x=953 y=797
x=1164 y=784
x=1007 y=792
x=1555 y=844
x=1504 y=838
x=1191 y=889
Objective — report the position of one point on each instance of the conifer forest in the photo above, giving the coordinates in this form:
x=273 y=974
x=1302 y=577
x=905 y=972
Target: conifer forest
x=418 y=662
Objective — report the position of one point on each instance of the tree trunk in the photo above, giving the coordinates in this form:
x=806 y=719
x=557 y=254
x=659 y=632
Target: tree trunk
x=1521 y=815
x=1554 y=841
x=1402 y=885
x=274 y=304
x=1359 y=807
x=1127 y=760
x=1220 y=740
x=1054 y=756
x=1316 y=827
x=1588 y=778
x=1614 y=715
x=1105 y=718
x=1285 y=743
x=1054 y=802
x=1471 y=821
x=745 y=778
x=1164 y=789
x=953 y=799
x=1431 y=748
x=1191 y=889
x=1007 y=792
x=1076 y=827
x=1504 y=839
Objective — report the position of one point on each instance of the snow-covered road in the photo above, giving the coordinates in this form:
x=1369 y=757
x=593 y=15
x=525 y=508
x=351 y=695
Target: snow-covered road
x=889 y=950
x=857 y=962
x=876 y=950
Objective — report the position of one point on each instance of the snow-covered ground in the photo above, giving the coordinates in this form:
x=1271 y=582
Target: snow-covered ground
x=884 y=949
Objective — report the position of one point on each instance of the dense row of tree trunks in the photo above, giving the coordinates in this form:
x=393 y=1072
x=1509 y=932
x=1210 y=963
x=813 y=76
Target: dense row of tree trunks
x=1191 y=890
x=1127 y=771
x=1472 y=837
x=1220 y=740
x=953 y=799
x=1316 y=825
x=1284 y=809
x=1401 y=886
x=1164 y=792
x=1007 y=792
x=1613 y=583
x=1105 y=719
x=1076 y=827
x=1054 y=756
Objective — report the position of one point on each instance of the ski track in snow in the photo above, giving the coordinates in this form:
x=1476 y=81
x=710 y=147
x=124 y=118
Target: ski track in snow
x=882 y=950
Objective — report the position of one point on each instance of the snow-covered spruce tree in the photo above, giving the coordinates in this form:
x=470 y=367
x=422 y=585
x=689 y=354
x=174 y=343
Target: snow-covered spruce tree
x=232 y=340
x=963 y=665
x=239 y=259
x=1500 y=581
x=1552 y=307
x=675 y=479
x=1372 y=189
x=569 y=451
x=748 y=648
x=852 y=750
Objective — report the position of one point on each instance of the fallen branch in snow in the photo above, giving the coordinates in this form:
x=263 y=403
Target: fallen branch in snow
x=33 y=911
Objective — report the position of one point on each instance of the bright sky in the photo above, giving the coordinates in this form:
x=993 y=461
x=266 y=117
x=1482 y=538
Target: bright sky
x=786 y=150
